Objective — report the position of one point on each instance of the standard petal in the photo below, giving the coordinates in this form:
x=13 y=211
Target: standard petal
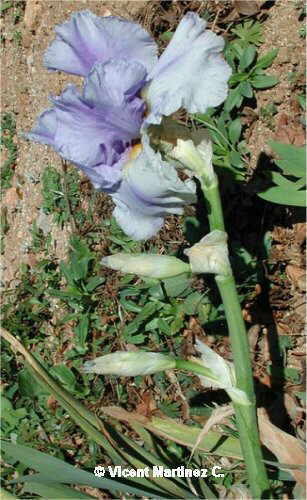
x=111 y=90
x=190 y=73
x=86 y=38
x=150 y=189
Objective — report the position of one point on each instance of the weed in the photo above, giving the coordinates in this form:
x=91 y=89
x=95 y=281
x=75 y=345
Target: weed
x=229 y=150
x=249 y=32
x=267 y=113
x=61 y=194
x=17 y=37
x=4 y=227
x=8 y=132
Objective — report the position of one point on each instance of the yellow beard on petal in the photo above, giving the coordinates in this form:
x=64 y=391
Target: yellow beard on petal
x=135 y=151
x=133 y=154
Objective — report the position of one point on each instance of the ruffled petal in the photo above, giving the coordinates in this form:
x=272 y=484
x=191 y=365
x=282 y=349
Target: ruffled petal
x=190 y=73
x=150 y=189
x=111 y=90
x=95 y=130
x=86 y=38
x=134 y=223
x=45 y=128
x=107 y=178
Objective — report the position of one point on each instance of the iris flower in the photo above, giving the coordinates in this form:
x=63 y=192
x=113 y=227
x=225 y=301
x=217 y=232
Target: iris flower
x=126 y=89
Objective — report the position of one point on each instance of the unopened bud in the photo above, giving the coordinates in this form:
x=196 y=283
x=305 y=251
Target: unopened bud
x=196 y=155
x=210 y=254
x=149 y=265
x=130 y=364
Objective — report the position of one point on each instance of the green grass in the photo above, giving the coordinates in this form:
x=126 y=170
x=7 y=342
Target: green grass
x=8 y=148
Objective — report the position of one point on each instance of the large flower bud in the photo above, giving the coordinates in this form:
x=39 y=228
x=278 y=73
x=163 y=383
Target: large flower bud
x=130 y=364
x=149 y=265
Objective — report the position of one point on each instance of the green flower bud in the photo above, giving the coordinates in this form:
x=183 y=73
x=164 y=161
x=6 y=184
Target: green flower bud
x=210 y=254
x=130 y=364
x=149 y=265
x=196 y=154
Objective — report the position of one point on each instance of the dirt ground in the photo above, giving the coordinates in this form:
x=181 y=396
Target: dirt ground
x=26 y=85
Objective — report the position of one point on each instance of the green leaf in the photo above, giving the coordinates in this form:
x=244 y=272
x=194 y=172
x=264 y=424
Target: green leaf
x=54 y=470
x=246 y=89
x=293 y=158
x=148 y=310
x=266 y=61
x=247 y=57
x=177 y=324
x=234 y=99
x=213 y=442
x=249 y=32
x=166 y=36
x=54 y=491
x=264 y=81
x=192 y=302
x=65 y=376
x=282 y=196
x=94 y=282
x=28 y=386
x=5 y=6
x=234 y=130
x=236 y=159
x=177 y=285
x=81 y=332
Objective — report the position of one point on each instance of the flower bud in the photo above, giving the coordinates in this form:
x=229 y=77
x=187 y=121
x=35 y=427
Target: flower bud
x=130 y=364
x=210 y=254
x=223 y=374
x=149 y=265
x=196 y=154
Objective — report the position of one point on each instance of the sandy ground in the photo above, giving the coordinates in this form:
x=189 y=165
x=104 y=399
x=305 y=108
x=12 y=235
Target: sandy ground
x=26 y=85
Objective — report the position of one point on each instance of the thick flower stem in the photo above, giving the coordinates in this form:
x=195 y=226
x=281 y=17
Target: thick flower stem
x=245 y=415
x=214 y=206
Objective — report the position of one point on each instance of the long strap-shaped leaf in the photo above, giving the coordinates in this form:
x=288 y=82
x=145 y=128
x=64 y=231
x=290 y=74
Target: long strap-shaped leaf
x=93 y=426
x=213 y=442
x=62 y=472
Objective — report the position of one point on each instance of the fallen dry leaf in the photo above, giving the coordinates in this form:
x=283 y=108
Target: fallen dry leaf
x=247 y=7
x=216 y=417
x=287 y=449
x=300 y=232
x=297 y=276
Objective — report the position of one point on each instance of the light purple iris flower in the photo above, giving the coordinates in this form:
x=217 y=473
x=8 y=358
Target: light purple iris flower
x=96 y=130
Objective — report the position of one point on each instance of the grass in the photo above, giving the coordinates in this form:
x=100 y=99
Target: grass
x=8 y=148
x=68 y=311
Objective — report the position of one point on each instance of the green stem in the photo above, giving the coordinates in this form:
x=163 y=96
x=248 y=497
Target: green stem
x=246 y=417
x=214 y=206
x=196 y=368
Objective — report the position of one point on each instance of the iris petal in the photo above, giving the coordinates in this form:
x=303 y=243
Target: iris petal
x=86 y=38
x=190 y=73
x=150 y=189
x=94 y=130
